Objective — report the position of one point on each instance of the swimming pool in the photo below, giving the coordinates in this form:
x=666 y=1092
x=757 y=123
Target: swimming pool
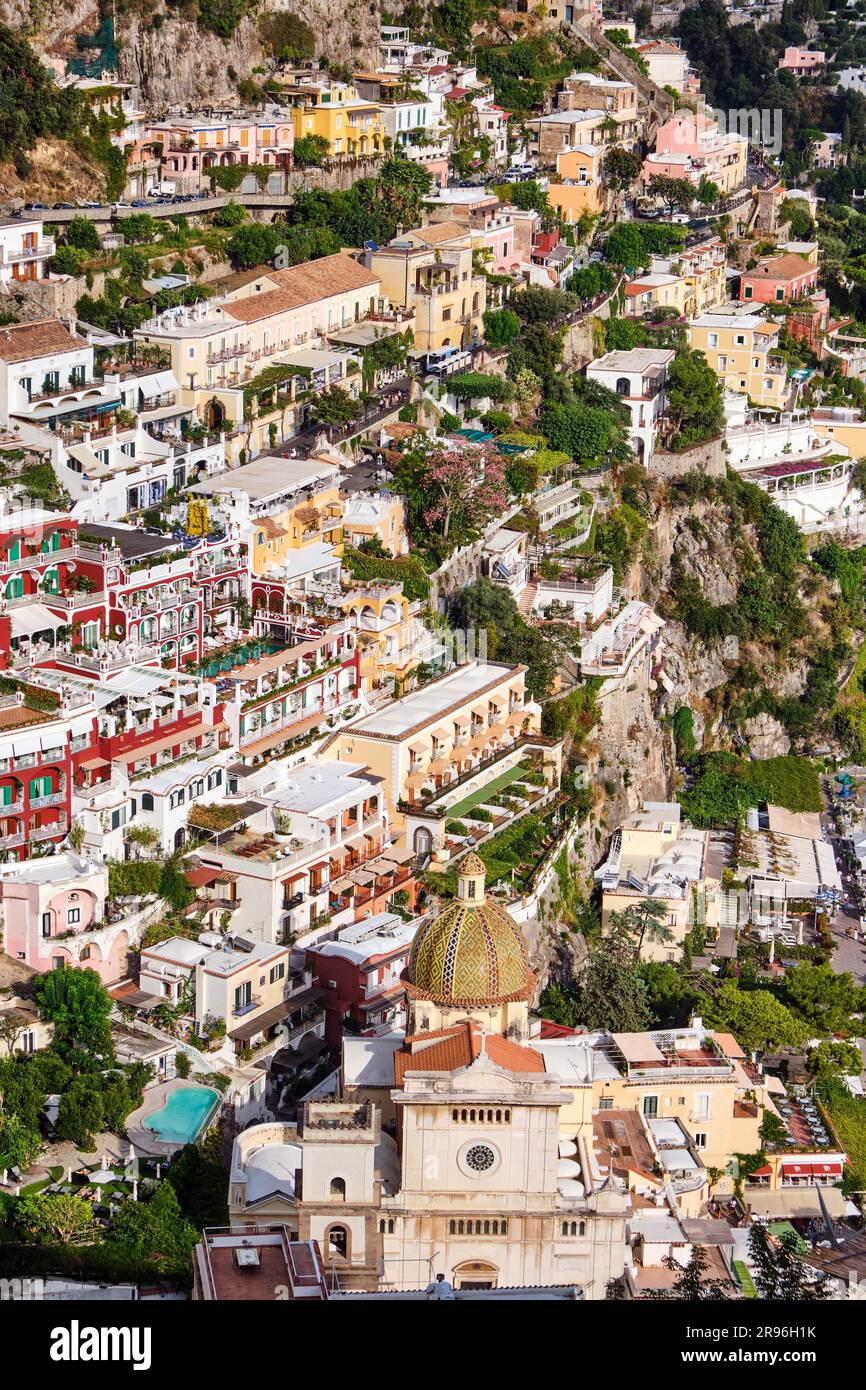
x=182 y=1116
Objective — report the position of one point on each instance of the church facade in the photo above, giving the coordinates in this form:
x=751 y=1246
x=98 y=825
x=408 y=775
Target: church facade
x=472 y=1182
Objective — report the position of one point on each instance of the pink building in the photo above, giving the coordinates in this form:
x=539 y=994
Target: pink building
x=801 y=61
x=779 y=280
x=192 y=146
x=54 y=916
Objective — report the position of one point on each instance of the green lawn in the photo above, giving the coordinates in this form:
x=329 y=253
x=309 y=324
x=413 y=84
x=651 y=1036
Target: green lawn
x=498 y=784
x=745 y=1278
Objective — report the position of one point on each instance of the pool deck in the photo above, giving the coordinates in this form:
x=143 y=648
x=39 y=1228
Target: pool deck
x=145 y=1140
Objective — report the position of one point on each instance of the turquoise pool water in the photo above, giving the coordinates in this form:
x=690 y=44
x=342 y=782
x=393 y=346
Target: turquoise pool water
x=182 y=1116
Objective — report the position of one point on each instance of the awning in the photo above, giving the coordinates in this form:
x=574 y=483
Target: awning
x=164 y=382
x=91 y=764
x=765 y=1172
x=34 y=618
x=797 y=1170
x=792 y=1203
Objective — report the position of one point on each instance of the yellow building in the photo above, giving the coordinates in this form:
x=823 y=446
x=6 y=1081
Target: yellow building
x=689 y=1075
x=223 y=350
x=451 y=725
x=652 y=855
x=657 y=291
x=351 y=125
x=316 y=520
x=577 y=187
x=430 y=271
x=739 y=347
x=393 y=641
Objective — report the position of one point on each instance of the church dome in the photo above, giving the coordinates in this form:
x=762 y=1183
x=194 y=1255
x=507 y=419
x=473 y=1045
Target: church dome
x=472 y=953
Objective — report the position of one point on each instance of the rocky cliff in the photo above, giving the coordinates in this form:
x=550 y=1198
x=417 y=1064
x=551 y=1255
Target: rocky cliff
x=173 y=60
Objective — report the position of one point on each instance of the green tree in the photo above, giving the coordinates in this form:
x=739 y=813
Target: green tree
x=611 y=993
x=157 y=1231
x=50 y=1218
x=78 y=1004
x=19 y=1143
x=81 y=1114
x=558 y=1006
x=620 y=169
x=772 y=1131
x=692 y=1282
x=780 y=1272
x=82 y=233
x=311 y=151
x=501 y=327
x=694 y=395
x=672 y=192
x=824 y=998
x=832 y=1059
x=757 y=1019
x=173 y=885
x=646 y=920
x=683 y=725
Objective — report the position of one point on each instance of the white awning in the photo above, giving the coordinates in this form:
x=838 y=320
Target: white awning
x=22 y=745
x=34 y=618
x=165 y=382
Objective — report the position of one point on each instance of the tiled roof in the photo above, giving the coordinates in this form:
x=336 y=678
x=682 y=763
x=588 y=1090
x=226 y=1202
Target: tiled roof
x=303 y=284
x=20 y=341
x=789 y=267
x=458 y=1047
x=440 y=231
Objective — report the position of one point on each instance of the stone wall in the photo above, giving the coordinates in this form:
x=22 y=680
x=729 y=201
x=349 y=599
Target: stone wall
x=708 y=458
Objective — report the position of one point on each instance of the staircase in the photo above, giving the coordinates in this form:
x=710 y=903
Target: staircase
x=658 y=104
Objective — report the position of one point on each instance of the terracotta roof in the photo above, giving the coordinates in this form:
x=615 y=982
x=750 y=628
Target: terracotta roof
x=440 y=231
x=303 y=284
x=20 y=341
x=457 y=1047
x=788 y=267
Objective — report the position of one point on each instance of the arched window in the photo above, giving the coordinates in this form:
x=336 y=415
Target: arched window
x=581 y=1228
x=460 y=1228
x=146 y=801
x=623 y=386
x=390 y=1225
x=503 y=1228
x=496 y=1228
x=565 y=1228
x=338 y=1189
x=452 y=1228
x=338 y=1242
x=487 y=1228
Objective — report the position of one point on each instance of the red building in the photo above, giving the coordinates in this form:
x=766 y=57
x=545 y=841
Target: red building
x=779 y=280
x=360 y=971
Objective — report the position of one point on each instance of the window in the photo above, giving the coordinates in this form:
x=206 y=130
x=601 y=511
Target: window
x=85 y=953
x=651 y=1105
x=338 y=1189
x=606 y=1103
x=46 y=924
x=73 y=915
x=700 y=1140
x=747 y=292
x=701 y=1106
x=278 y=972
x=214 y=779
x=480 y=1158
x=146 y=801
x=338 y=1242
x=446 y=315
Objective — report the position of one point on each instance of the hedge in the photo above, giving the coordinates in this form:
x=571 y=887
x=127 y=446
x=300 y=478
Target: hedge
x=407 y=569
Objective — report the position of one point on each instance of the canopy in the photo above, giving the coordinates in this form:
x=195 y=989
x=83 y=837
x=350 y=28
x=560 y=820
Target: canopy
x=34 y=618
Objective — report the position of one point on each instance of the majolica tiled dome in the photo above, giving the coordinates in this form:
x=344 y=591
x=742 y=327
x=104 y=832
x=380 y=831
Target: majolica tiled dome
x=472 y=953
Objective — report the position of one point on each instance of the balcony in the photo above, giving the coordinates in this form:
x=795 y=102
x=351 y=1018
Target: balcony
x=49 y=832
x=42 y=252
x=37 y=802
x=227 y=354
x=249 y=1006
x=11 y=841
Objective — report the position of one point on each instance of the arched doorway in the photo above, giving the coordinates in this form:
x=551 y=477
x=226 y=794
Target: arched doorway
x=214 y=414
x=180 y=837
x=422 y=841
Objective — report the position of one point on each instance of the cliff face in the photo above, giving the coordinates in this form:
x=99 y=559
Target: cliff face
x=178 y=62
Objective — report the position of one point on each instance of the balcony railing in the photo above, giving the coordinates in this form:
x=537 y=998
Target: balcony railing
x=55 y=799
x=49 y=832
x=247 y=1007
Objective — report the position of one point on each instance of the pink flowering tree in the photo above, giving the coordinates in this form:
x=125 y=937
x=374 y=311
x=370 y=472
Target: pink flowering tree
x=466 y=490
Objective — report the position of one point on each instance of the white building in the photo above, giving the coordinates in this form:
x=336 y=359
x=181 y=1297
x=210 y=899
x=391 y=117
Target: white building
x=639 y=378
x=24 y=250
x=163 y=802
